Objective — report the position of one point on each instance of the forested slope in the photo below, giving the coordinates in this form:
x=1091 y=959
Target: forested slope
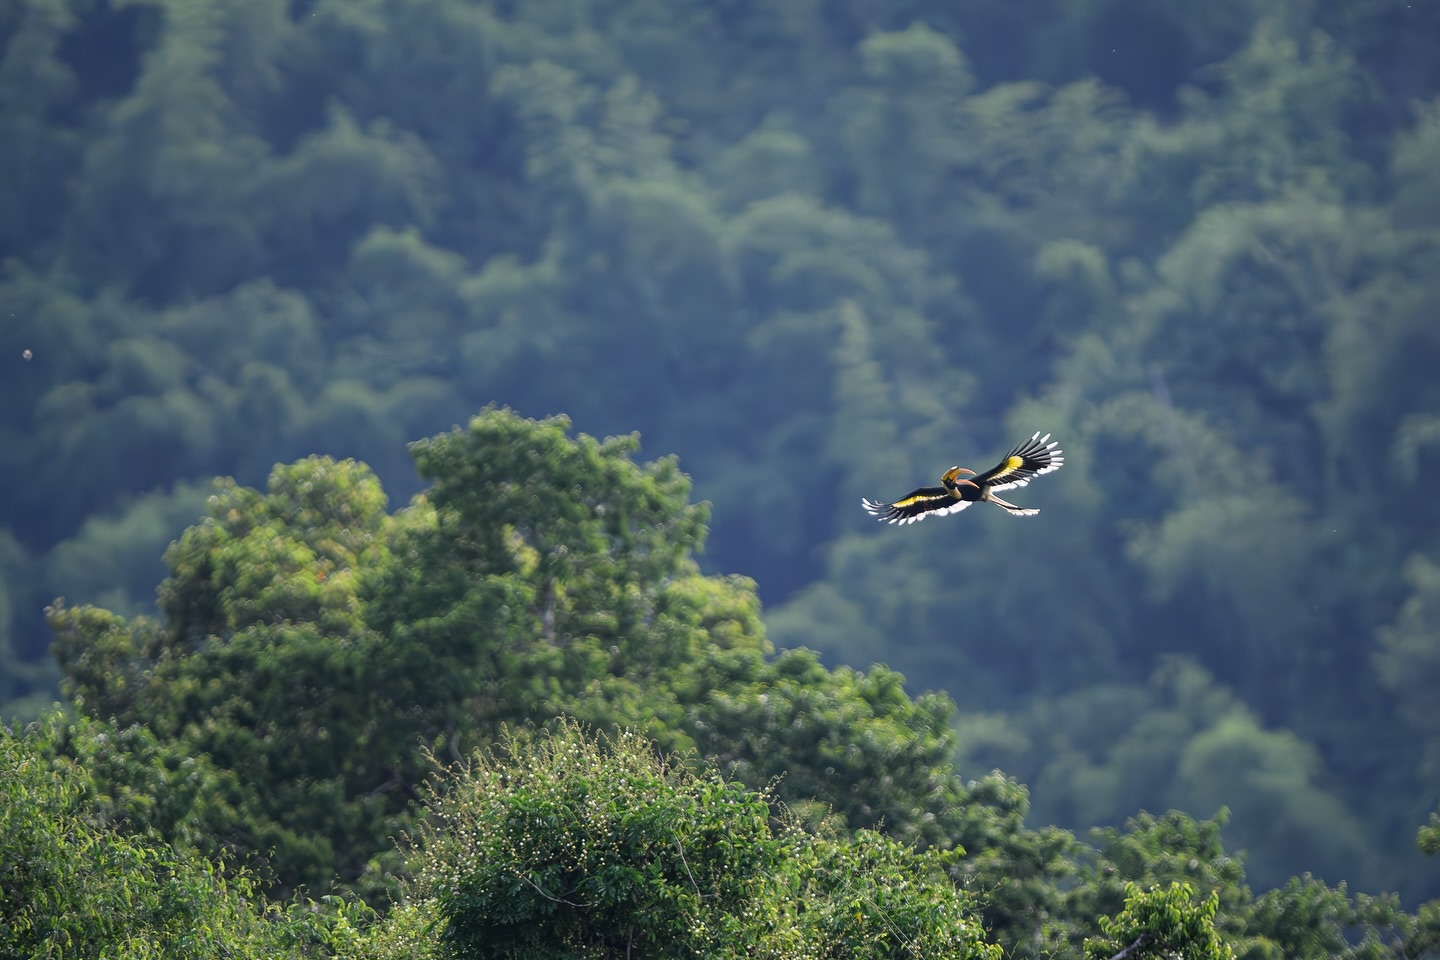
x=819 y=250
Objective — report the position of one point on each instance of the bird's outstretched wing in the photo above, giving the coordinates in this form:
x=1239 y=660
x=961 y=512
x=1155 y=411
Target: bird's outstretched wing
x=1028 y=460
x=916 y=505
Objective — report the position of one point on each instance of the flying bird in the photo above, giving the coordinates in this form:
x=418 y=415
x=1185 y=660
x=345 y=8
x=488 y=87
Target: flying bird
x=962 y=487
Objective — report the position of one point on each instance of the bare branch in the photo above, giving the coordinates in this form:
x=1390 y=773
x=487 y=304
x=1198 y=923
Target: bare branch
x=687 y=869
x=568 y=903
x=1139 y=941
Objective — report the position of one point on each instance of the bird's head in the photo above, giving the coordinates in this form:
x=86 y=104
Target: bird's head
x=955 y=476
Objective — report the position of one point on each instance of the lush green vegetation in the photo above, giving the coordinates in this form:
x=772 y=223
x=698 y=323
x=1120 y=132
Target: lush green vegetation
x=818 y=251
x=565 y=848
x=73 y=883
x=325 y=678
x=310 y=643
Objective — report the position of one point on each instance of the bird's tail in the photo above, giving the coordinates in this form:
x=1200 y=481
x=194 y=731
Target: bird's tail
x=1015 y=511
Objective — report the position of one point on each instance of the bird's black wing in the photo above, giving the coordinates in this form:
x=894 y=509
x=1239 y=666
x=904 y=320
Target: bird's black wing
x=916 y=505
x=1028 y=460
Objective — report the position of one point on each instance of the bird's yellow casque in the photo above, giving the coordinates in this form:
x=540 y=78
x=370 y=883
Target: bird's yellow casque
x=961 y=487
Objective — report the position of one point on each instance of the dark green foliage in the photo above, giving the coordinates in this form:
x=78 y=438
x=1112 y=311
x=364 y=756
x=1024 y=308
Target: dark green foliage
x=1178 y=740
x=793 y=723
x=1160 y=923
x=568 y=847
x=73 y=886
x=262 y=663
x=564 y=846
x=310 y=644
x=1429 y=835
x=543 y=562
x=1305 y=918
x=139 y=783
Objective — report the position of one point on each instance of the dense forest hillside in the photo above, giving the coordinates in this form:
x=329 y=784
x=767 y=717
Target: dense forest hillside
x=819 y=250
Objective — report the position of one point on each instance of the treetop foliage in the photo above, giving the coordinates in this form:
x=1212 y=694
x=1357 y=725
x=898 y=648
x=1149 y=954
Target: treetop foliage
x=309 y=643
x=567 y=846
x=325 y=677
x=70 y=887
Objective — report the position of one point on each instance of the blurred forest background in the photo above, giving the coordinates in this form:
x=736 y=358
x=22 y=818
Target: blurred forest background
x=819 y=249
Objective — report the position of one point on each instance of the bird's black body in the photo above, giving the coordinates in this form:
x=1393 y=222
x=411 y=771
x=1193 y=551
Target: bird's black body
x=960 y=487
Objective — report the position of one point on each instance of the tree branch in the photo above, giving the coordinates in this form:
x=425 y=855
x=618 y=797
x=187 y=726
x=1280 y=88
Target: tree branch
x=1132 y=948
x=687 y=868
x=568 y=903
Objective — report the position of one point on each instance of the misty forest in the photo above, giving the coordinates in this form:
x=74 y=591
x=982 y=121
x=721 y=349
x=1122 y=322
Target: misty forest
x=433 y=436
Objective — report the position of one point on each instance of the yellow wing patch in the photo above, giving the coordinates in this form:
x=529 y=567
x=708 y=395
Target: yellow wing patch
x=920 y=498
x=1010 y=465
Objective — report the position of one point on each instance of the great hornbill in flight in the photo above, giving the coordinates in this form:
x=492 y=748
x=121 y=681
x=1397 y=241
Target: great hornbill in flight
x=962 y=487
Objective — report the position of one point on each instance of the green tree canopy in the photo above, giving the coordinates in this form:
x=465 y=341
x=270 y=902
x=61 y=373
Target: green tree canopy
x=73 y=885
x=310 y=643
x=562 y=846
